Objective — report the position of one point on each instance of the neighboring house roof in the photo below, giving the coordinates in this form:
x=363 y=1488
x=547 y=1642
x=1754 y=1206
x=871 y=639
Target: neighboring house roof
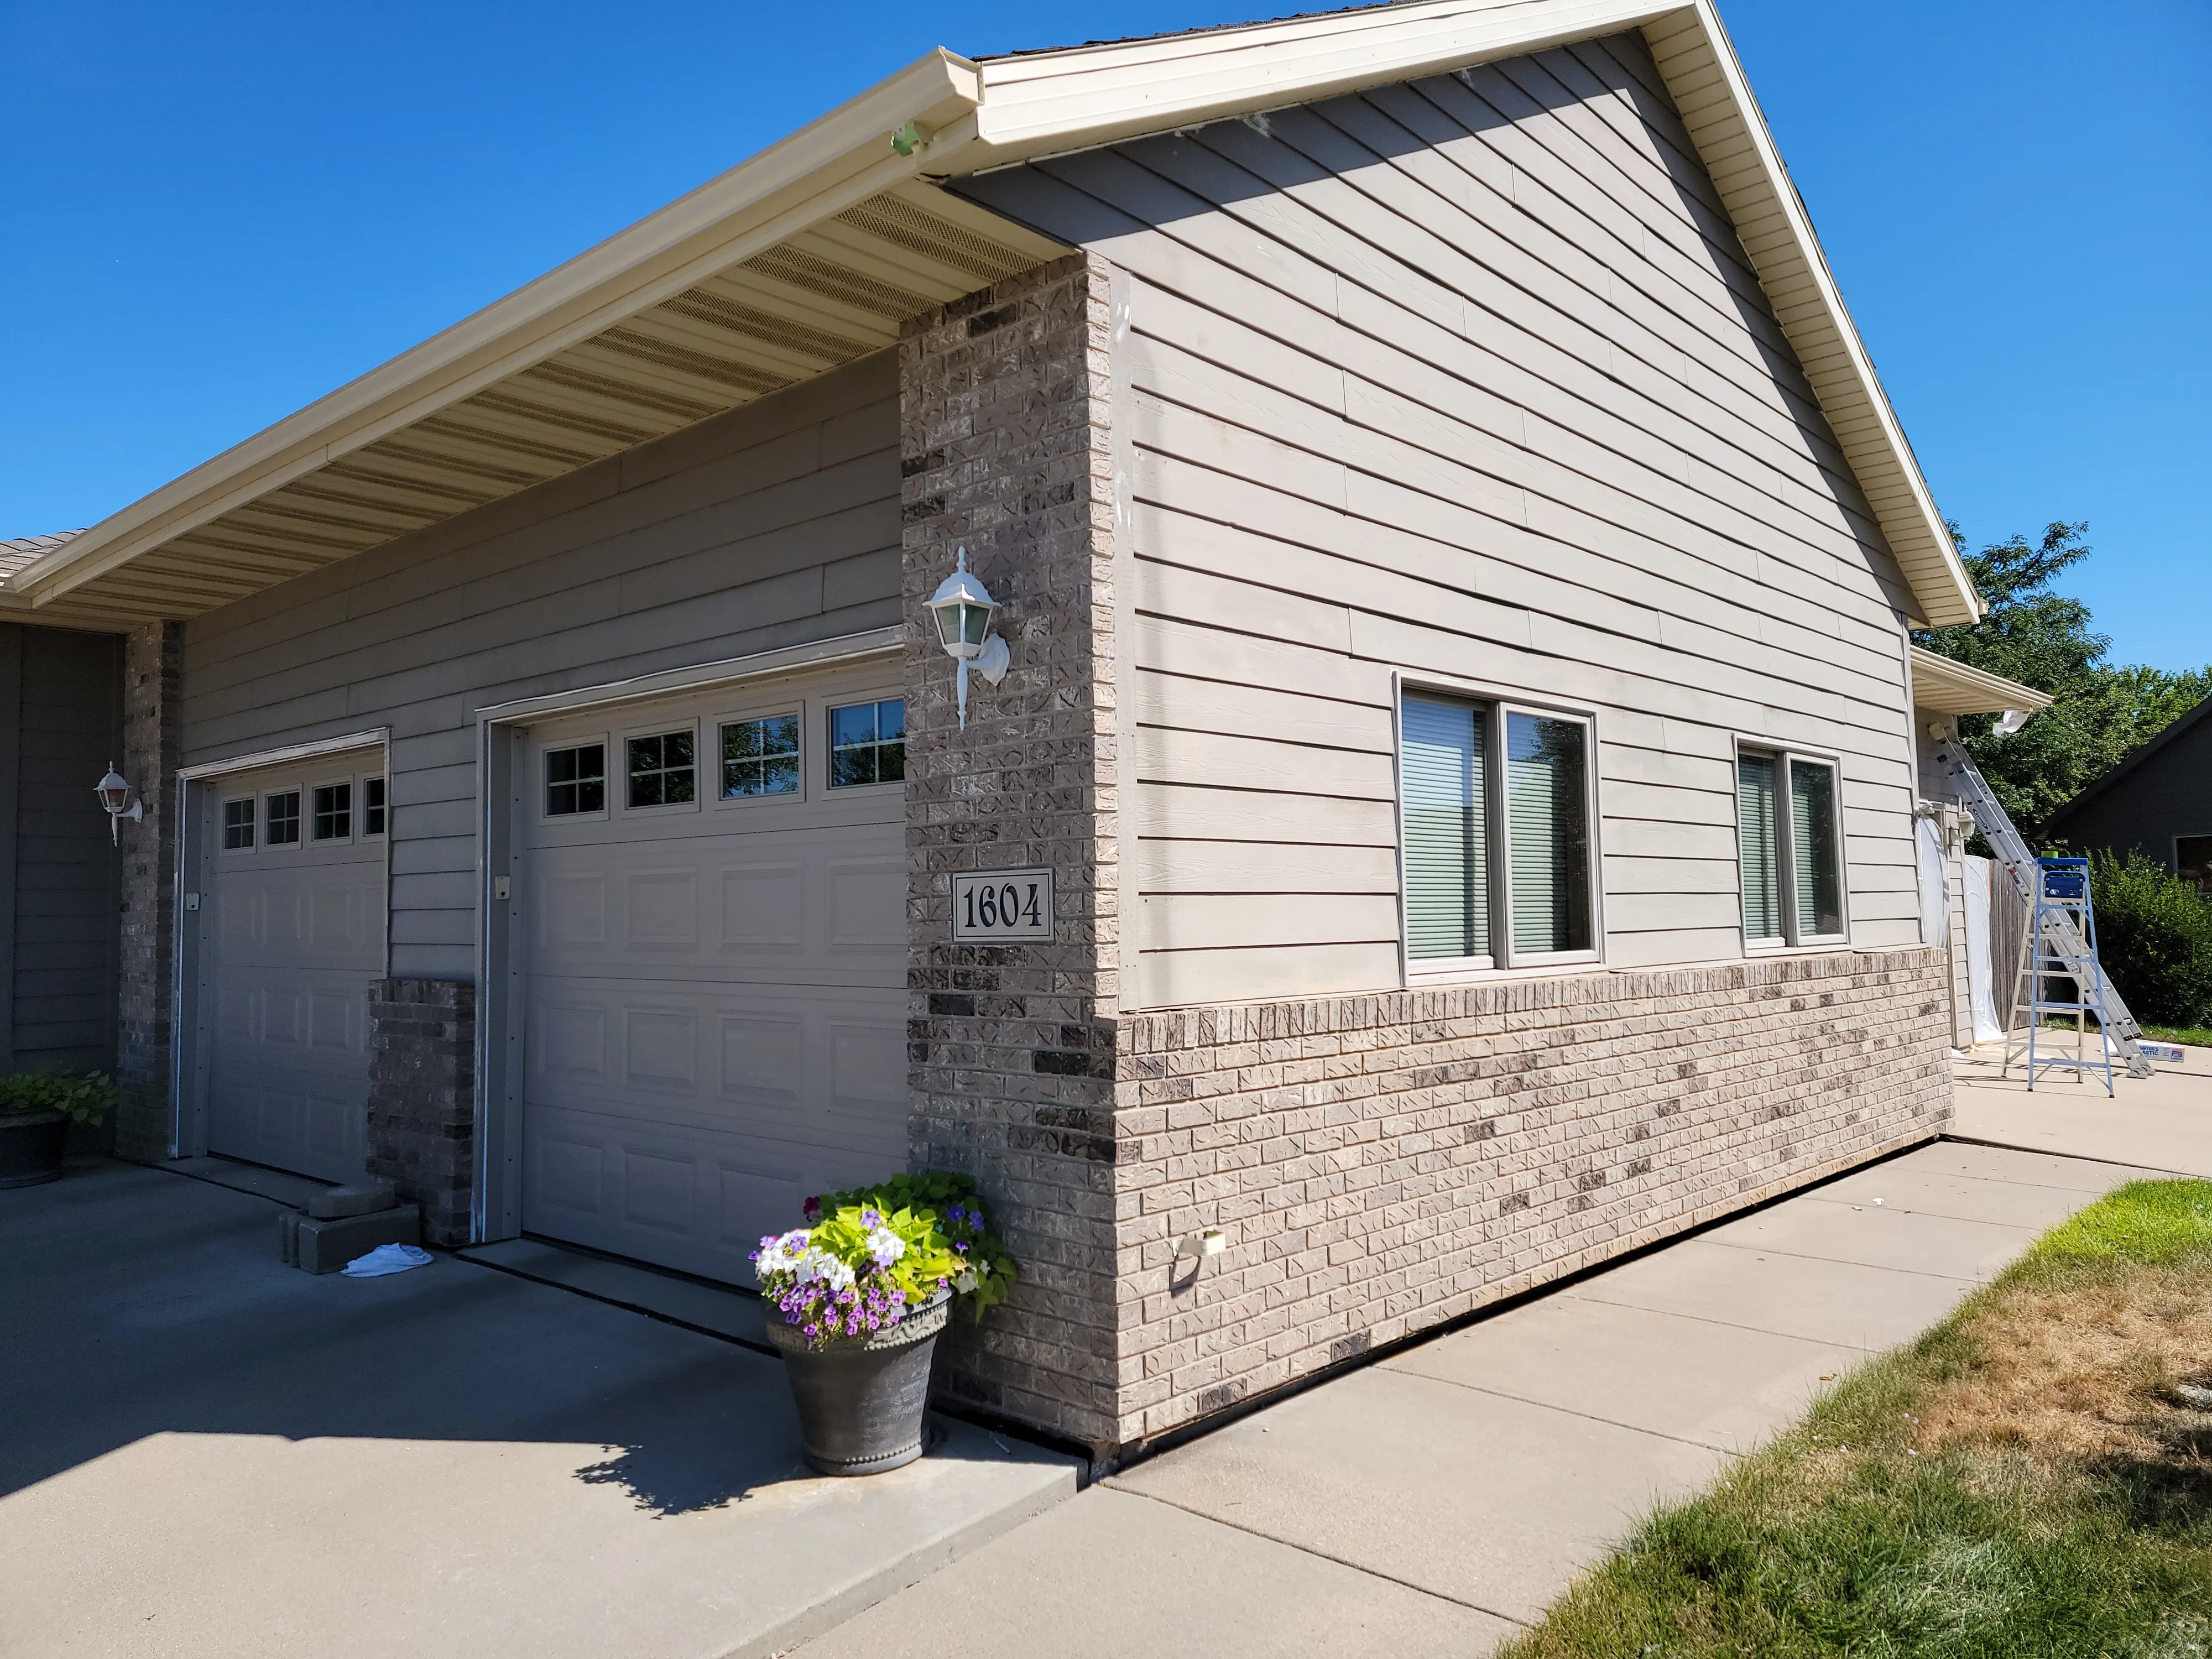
x=813 y=251
x=1950 y=687
x=2133 y=763
x=15 y=554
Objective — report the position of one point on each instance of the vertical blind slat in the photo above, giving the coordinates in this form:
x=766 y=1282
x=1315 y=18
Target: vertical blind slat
x=1755 y=834
x=1447 y=846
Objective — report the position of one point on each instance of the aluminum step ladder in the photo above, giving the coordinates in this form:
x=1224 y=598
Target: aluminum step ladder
x=2063 y=940
x=2062 y=886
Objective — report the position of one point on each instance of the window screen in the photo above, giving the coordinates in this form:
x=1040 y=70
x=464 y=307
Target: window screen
x=283 y=819
x=576 y=780
x=1814 y=860
x=759 y=757
x=1447 y=844
x=660 y=769
x=333 y=811
x=868 y=743
x=237 y=825
x=1758 y=847
x=1547 y=809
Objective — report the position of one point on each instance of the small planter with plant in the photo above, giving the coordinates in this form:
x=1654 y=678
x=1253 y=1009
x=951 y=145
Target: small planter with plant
x=856 y=1300
x=36 y=1111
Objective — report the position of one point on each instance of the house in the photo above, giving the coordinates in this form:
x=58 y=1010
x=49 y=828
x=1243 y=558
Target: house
x=2157 y=801
x=1446 y=818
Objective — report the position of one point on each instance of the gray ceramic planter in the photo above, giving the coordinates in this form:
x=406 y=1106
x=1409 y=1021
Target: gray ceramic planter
x=860 y=1399
x=30 y=1142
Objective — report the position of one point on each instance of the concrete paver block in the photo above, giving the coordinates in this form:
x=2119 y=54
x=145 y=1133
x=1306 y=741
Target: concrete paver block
x=322 y=1246
x=359 y=1198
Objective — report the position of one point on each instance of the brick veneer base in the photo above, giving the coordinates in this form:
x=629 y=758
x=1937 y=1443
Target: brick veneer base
x=1383 y=1163
x=422 y=1098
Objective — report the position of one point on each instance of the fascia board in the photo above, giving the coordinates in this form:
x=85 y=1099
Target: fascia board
x=842 y=159
x=1049 y=103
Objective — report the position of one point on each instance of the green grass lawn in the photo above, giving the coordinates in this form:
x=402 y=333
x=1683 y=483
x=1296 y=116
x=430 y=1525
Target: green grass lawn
x=2030 y=1478
x=2197 y=1036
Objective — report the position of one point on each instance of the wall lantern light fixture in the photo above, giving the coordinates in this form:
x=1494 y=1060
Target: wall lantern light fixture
x=114 y=792
x=963 y=608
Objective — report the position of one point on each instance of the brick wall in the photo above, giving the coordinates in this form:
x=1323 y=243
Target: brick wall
x=152 y=658
x=1003 y=415
x=1383 y=1163
x=422 y=1098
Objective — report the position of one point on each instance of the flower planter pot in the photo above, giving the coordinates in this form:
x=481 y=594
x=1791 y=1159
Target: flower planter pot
x=31 y=1143
x=860 y=1399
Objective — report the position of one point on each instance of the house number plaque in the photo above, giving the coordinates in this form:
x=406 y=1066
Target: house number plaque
x=1001 y=907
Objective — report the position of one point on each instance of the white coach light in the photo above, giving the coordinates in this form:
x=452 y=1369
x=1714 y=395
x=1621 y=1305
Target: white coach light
x=114 y=792
x=963 y=608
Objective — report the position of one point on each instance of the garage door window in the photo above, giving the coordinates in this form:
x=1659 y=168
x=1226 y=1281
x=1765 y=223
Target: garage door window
x=237 y=825
x=283 y=819
x=333 y=819
x=576 y=780
x=868 y=743
x=660 y=769
x=759 y=757
x=372 y=806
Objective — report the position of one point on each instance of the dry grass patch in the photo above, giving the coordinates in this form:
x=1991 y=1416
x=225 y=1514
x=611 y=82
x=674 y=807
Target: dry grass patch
x=2032 y=1477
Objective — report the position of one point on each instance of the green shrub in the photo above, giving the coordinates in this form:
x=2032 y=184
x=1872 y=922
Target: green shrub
x=86 y=1098
x=2154 y=937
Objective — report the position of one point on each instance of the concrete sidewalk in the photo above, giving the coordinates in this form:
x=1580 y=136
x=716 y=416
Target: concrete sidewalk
x=203 y=1452
x=1436 y=1501
x=2162 y=1122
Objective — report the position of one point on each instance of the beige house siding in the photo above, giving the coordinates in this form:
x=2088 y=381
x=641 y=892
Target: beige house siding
x=773 y=525
x=1469 y=379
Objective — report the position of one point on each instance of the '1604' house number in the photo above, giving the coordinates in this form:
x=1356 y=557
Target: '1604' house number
x=999 y=907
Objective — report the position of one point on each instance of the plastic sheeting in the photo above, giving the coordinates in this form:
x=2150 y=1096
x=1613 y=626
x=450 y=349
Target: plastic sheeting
x=1981 y=984
x=1934 y=907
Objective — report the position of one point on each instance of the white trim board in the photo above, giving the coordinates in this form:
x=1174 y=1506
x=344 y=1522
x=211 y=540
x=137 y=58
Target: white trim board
x=377 y=737
x=875 y=641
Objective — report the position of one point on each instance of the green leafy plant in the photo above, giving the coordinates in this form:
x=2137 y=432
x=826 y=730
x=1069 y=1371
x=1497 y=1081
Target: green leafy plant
x=2155 y=938
x=85 y=1098
x=869 y=1257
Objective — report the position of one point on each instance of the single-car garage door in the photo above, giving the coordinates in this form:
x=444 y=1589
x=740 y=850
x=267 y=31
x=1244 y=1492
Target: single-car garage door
x=294 y=875
x=715 y=964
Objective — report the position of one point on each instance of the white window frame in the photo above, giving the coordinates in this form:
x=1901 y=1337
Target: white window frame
x=222 y=806
x=1496 y=704
x=307 y=837
x=828 y=711
x=658 y=729
x=608 y=750
x=1785 y=757
x=795 y=708
x=298 y=843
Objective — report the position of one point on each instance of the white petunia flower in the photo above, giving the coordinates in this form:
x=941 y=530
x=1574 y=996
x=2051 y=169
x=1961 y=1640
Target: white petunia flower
x=885 y=1246
x=964 y=1283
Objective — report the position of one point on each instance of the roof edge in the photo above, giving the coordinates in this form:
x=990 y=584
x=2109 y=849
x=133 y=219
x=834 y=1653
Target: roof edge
x=1969 y=689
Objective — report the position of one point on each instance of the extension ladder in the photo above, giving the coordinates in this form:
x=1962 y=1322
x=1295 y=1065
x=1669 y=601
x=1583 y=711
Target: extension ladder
x=2055 y=927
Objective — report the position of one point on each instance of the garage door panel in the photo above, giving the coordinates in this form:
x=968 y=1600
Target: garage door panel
x=716 y=1004
x=294 y=941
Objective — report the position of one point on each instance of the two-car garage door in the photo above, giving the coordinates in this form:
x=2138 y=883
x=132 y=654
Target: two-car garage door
x=711 y=897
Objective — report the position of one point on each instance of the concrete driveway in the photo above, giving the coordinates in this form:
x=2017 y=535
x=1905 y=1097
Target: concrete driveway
x=2162 y=1122
x=203 y=1452
x=1435 y=1501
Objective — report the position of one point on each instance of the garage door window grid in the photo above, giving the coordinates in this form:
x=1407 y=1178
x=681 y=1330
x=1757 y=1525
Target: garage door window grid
x=372 y=806
x=576 y=780
x=660 y=769
x=868 y=743
x=1789 y=845
x=760 y=756
x=238 y=824
x=333 y=815
x=1486 y=843
x=280 y=816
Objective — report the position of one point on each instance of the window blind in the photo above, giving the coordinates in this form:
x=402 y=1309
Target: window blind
x=1755 y=838
x=1547 y=795
x=1813 y=848
x=1447 y=851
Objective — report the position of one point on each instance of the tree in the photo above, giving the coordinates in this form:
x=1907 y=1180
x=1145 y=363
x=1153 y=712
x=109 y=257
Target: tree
x=2043 y=639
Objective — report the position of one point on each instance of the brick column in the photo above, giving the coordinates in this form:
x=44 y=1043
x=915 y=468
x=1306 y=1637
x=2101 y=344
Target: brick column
x=152 y=660
x=1004 y=405
x=422 y=1098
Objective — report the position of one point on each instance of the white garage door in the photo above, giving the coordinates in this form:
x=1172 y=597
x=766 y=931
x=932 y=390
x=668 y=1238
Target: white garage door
x=296 y=879
x=714 y=1001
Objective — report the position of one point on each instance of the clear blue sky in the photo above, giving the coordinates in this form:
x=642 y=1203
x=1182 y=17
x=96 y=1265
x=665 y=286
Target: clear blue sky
x=214 y=215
